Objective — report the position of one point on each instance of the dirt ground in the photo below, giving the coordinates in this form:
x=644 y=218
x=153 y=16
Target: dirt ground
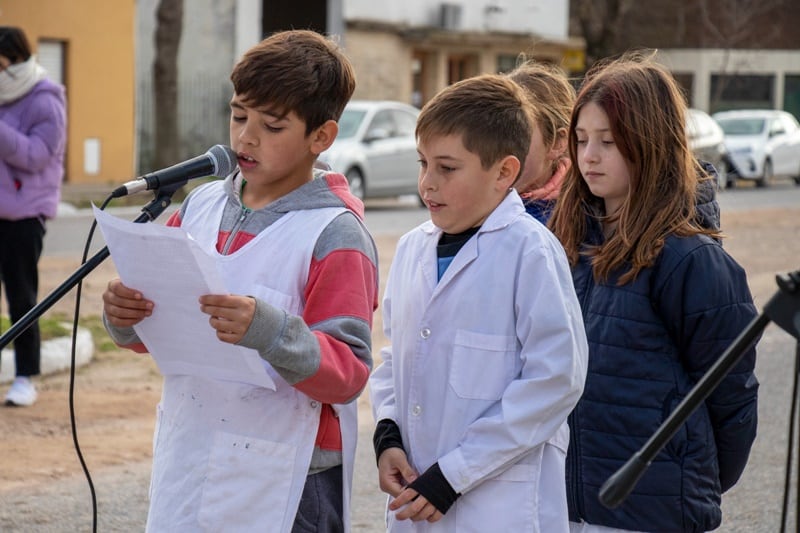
x=115 y=395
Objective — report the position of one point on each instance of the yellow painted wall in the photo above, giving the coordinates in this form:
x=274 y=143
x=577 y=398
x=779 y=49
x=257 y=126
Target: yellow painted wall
x=99 y=74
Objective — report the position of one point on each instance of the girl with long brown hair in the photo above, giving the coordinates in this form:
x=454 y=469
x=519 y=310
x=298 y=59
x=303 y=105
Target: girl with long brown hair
x=661 y=301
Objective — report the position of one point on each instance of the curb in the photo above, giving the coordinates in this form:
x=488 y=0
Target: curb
x=56 y=354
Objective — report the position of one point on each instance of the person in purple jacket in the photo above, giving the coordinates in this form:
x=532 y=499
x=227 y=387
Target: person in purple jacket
x=32 y=140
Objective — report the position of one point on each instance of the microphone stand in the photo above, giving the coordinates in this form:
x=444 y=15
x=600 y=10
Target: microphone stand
x=162 y=198
x=783 y=309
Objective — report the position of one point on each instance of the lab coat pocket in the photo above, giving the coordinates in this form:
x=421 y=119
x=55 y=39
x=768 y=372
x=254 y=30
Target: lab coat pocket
x=248 y=484
x=483 y=365
x=516 y=488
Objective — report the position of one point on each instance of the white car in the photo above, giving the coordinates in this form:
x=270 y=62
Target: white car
x=762 y=144
x=376 y=148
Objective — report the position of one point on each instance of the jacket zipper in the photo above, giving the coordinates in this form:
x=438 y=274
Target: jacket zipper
x=577 y=498
x=235 y=230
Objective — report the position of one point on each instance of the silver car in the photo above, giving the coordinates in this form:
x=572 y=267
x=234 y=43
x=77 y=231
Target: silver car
x=707 y=142
x=376 y=148
x=763 y=144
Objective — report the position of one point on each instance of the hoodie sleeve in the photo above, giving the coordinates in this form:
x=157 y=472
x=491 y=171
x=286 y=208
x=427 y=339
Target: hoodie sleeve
x=327 y=352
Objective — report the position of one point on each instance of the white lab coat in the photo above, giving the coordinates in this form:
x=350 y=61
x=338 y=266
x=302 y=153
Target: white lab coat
x=232 y=456
x=483 y=368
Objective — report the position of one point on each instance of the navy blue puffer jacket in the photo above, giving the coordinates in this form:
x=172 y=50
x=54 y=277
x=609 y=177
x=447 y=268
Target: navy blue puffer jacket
x=650 y=341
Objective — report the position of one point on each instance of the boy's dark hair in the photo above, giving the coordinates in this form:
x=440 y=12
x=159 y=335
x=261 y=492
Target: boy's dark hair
x=297 y=70
x=14 y=45
x=491 y=113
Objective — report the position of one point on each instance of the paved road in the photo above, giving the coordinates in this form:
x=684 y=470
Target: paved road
x=67 y=234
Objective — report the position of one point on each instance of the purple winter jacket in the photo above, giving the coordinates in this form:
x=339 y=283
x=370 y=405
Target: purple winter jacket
x=32 y=141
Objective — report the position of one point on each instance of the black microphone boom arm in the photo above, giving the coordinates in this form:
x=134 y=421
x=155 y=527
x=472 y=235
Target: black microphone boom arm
x=783 y=309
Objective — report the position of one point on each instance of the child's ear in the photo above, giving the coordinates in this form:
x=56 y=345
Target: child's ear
x=323 y=137
x=559 y=146
x=508 y=170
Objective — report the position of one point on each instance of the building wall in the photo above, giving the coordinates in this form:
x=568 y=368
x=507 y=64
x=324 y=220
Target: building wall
x=737 y=43
x=704 y=63
x=208 y=50
x=99 y=78
x=548 y=18
x=412 y=65
x=382 y=63
x=410 y=50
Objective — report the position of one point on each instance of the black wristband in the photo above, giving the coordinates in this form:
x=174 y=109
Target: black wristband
x=387 y=435
x=435 y=488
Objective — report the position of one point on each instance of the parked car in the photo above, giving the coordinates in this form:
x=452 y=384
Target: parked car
x=707 y=142
x=376 y=148
x=763 y=144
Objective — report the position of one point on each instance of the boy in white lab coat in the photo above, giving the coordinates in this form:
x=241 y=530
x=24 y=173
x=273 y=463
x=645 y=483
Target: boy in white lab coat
x=487 y=351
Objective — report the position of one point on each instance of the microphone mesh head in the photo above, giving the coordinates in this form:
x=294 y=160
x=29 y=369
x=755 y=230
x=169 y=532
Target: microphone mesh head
x=224 y=160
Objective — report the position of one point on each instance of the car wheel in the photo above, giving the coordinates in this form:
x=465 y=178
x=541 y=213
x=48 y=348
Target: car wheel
x=766 y=177
x=797 y=180
x=356 y=181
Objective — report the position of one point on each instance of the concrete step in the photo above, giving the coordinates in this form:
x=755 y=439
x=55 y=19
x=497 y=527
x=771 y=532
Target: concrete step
x=56 y=354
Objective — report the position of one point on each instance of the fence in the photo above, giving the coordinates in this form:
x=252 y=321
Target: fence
x=203 y=117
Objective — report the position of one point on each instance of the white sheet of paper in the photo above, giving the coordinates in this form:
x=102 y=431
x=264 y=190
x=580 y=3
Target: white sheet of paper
x=172 y=271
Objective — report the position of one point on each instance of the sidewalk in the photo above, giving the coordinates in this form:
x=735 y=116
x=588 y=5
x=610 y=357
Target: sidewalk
x=56 y=354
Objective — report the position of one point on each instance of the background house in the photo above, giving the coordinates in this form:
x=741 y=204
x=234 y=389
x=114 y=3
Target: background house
x=404 y=51
x=727 y=54
x=88 y=46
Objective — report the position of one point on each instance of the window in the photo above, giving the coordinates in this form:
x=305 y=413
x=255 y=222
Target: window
x=405 y=122
x=732 y=91
x=791 y=94
x=50 y=55
x=382 y=126
x=686 y=82
x=506 y=63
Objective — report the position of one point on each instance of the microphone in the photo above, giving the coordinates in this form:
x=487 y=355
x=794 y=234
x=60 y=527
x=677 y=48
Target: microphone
x=218 y=161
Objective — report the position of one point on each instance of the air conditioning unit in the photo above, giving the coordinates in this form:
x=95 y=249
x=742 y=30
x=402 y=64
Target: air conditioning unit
x=450 y=16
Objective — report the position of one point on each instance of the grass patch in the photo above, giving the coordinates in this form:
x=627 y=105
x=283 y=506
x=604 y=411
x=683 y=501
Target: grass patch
x=60 y=325
x=49 y=328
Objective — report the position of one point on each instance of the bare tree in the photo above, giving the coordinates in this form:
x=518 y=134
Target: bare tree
x=731 y=24
x=169 y=26
x=601 y=24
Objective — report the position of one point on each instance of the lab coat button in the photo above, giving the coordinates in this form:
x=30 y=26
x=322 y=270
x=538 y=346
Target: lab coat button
x=425 y=333
x=416 y=410
x=314 y=404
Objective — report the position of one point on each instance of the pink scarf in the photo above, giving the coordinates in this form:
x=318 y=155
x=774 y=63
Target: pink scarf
x=549 y=191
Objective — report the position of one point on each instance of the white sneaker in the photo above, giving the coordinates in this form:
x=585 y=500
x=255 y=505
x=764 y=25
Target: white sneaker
x=22 y=393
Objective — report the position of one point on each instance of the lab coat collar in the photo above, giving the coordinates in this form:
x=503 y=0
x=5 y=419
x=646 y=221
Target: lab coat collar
x=505 y=212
